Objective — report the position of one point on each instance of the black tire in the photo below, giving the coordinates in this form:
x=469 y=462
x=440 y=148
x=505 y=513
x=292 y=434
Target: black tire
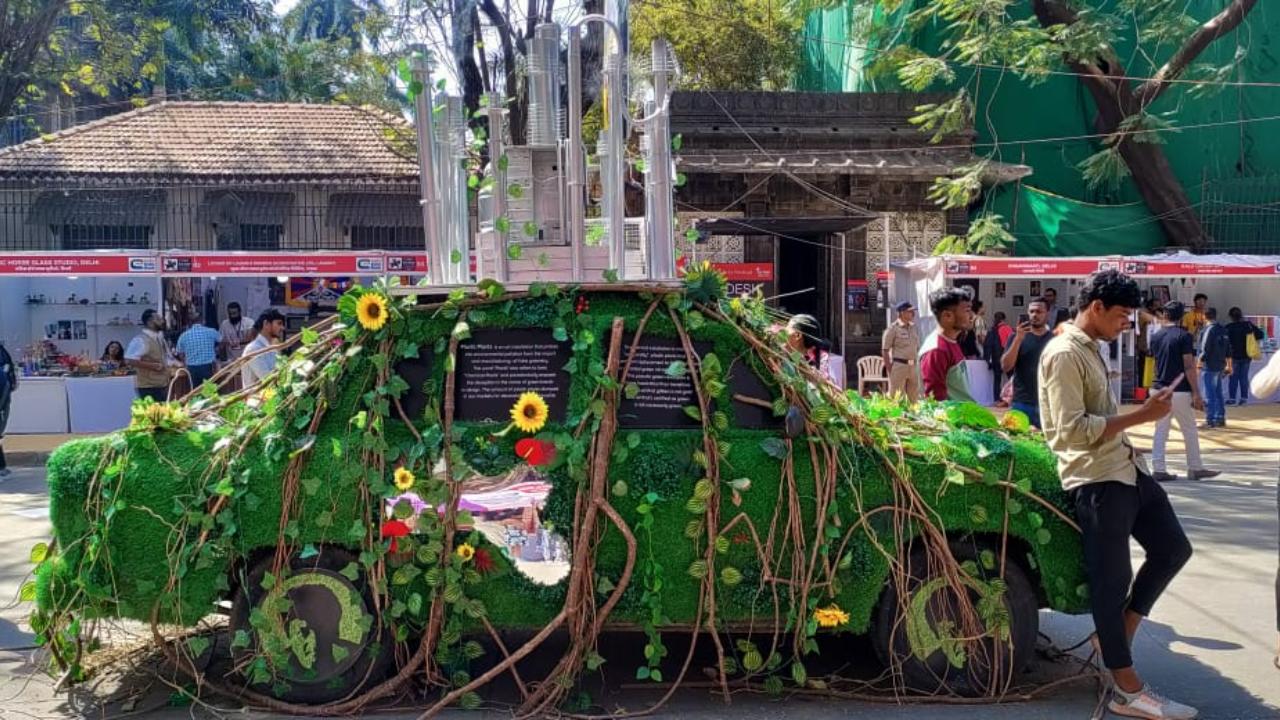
x=985 y=672
x=313 y=586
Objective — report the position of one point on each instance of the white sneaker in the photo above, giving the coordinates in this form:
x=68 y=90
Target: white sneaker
x=1147 y=703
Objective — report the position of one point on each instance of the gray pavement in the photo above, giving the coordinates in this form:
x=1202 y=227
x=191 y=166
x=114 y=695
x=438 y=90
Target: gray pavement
x=1209 y=641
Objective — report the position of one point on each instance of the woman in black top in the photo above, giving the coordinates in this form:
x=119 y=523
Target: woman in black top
x=1237 y=330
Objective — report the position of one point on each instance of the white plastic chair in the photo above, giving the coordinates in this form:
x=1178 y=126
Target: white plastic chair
x=871 y=371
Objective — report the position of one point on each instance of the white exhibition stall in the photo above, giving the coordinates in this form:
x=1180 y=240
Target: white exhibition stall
x=59 y=311
x=1250 y=282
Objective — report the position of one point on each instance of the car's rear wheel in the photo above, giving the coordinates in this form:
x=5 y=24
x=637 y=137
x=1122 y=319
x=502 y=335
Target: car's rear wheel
x=309 y=636
x=920 y=635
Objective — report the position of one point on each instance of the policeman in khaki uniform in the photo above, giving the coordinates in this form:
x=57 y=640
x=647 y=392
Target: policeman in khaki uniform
x=901 y=347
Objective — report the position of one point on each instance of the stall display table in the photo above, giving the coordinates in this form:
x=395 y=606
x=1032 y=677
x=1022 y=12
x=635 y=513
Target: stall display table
x=39 y=407
x=980 y=382
x=99 y=404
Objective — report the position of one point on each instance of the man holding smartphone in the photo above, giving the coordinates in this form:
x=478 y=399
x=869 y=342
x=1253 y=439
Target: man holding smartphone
x=1022 y=359
x=1114 y=497
x=1175 y=353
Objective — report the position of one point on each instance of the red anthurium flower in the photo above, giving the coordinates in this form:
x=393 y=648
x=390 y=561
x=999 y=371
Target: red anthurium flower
x=394 y=529
x=536 y=452
x=482 y=561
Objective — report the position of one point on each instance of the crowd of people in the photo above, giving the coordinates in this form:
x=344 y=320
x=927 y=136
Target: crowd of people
x=200 y=351
x=1060 y=378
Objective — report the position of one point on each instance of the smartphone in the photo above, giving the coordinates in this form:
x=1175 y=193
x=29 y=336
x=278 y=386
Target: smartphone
x=1171 y=387
x=1024 y=319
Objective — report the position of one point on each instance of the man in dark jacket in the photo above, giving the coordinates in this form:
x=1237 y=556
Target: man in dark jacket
x=1215 y=353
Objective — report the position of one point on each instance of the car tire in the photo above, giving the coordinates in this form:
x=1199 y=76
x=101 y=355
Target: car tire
x=986 y=673
x=338 y=651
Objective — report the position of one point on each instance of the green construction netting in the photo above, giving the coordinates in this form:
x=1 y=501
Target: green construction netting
x=1228 y=134
x=1050 y=225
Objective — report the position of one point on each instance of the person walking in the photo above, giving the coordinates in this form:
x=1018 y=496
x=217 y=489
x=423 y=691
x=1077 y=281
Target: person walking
x=1175 y=355
x=899 y=346
x=1239 y=330
x=270 y=329
x=1114 y=497
x=993 y=350
x=1215 y=361
x=198 y=345
x=1021 y=359
x=943 y=372
x=149 y=355
x=8 y=385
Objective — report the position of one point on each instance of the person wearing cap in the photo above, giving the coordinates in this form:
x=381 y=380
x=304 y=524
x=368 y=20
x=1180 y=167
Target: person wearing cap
x=900 y=346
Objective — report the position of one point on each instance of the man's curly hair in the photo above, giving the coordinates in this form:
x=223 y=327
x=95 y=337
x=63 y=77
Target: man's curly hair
x=1113 y=288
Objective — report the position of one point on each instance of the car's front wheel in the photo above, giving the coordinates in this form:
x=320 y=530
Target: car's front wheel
x=308 y=635
x=923 y=635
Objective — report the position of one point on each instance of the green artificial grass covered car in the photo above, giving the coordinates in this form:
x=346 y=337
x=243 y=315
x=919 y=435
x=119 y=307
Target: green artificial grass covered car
x=419 y=471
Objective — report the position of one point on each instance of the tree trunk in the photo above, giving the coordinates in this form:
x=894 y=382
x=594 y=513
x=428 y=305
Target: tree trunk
x=1148 y=165
x=1107 y=80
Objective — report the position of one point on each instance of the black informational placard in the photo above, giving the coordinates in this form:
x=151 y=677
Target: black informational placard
x=662 y=398
x=417 y=373
x=495 y=366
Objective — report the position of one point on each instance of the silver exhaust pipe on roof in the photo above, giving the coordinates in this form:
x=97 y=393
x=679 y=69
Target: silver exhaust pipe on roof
x=430 y=199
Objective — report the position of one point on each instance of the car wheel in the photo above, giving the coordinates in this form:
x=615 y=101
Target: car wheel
x=309 y=637
x=915 y=635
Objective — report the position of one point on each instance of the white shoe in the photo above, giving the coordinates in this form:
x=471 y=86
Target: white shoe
x=1147 y=703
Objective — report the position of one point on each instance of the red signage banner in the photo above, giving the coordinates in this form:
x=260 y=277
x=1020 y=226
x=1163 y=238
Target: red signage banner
x=271 y=264
x=77 y=264
x=1186 y=269
x=746 y=272
x=757 y=272
x=1013 y=267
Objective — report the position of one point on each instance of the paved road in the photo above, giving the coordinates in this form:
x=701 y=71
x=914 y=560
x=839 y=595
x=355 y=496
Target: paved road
x=1209 y=641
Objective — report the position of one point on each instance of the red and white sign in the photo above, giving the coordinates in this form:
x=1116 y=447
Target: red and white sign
x=272 y=264
x=413 y=263
x=757 y=272
x=78 y=264
x=1015 y=267
x=746 y=272
x=1186 y=269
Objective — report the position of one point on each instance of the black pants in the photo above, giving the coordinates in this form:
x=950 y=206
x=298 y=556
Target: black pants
x=159 y=394
x=1109 y=514
x=199 y=374
x=6 y=398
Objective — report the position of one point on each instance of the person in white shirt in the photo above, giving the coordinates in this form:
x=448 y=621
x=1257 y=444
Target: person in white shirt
x=235 y=331
x=270 y=328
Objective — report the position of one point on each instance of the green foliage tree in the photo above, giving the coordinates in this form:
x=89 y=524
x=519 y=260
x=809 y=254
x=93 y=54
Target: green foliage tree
x=742 y=45
x=1082 y=37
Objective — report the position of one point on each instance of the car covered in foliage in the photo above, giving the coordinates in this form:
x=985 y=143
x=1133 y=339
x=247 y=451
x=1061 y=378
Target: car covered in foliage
x=422 y=471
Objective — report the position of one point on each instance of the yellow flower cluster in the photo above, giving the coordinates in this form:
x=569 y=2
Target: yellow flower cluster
x=830 y=617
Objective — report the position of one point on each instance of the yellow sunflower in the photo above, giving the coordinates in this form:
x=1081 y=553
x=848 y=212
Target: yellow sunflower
x=830 y=617
x=371 y=311
x=465 y=552
x=404 y=479
x=530 y=412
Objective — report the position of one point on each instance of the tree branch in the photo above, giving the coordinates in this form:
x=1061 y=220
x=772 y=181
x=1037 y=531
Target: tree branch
x=1221 y=24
